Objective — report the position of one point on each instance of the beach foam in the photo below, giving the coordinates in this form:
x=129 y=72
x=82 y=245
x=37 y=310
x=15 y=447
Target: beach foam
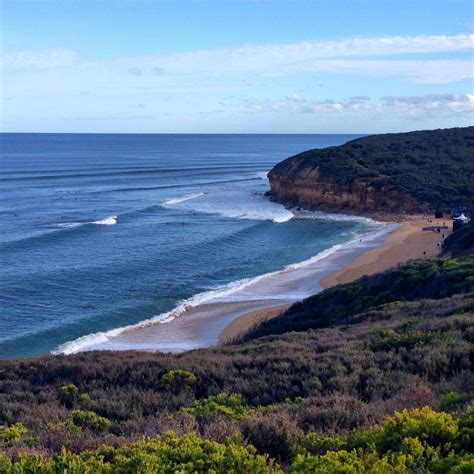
x=221 y=293
x=334 y=217
x=179 y=199
x=253 y=207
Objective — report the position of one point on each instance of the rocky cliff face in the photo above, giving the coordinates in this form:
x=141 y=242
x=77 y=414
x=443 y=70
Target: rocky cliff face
x=306 y=188
x=391 y=173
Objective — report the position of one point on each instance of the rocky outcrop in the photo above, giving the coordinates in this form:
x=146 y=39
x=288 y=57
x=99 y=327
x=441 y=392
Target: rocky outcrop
x=310 y=191
x=401 y=173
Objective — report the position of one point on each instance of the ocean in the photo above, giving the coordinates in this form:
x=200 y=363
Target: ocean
x=103 y=231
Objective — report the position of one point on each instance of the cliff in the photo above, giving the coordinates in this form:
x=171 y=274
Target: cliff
x=395 y=173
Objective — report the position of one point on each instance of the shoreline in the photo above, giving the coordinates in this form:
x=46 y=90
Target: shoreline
x=407 y=242
x=198 y=321
x=220 y=315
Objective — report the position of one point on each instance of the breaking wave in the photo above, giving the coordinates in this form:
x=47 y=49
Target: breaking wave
x=179 y=199
x=112 y=220
x=219 y=294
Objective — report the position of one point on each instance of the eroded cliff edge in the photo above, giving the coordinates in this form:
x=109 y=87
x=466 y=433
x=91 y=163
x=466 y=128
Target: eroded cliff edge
x=391 y=173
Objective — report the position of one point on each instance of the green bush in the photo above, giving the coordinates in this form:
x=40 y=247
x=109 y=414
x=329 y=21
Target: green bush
x=68 y=394
x=428 y=426
x=88 y=419
x=10 y=435
x=186 y=454
x=230 y=405
x=419 y=440
x=176 y=380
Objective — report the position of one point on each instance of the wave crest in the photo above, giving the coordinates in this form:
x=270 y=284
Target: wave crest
x=112 y=220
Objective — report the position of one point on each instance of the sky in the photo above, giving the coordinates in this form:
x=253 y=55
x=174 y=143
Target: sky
x=235 y=66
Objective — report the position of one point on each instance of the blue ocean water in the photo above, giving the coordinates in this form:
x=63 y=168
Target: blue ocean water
x=103 y=231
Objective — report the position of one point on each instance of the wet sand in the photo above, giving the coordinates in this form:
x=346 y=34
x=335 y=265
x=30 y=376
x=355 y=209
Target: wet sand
x=407 y=242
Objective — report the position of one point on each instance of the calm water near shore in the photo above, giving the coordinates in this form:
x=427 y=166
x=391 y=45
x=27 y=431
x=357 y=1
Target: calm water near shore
x=99 y=232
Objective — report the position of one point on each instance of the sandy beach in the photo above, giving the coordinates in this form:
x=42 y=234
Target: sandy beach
x=406 y=242
x=219 y=316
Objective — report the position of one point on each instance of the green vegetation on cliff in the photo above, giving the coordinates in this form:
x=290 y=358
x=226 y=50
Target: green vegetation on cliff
x=435 y=168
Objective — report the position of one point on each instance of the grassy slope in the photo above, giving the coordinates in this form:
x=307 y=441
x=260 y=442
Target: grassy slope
x=461 y=242
x=435 y=166
x=435 y=279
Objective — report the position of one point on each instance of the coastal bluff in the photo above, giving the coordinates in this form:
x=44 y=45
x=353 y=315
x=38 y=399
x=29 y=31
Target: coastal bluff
x=391 y=173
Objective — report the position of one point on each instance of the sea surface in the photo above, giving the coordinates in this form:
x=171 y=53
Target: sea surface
x=98 y=232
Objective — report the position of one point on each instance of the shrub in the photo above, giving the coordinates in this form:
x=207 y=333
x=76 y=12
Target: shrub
x=10 y=435
x=176 y=380
x=272 y=433
x=187 y=454
x=223 y=404
x=315 y=443
x=68 y=394
x=450 y=399
x=430 y=427
x=88 y=419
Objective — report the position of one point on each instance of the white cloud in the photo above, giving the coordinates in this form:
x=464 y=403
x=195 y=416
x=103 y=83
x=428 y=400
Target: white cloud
x=62 y=71
x=295 y=104
x=13 y=60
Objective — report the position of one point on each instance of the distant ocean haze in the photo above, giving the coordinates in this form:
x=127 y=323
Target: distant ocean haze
x=104 y=231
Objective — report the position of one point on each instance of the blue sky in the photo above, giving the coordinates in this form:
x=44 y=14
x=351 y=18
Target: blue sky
x=236 y=66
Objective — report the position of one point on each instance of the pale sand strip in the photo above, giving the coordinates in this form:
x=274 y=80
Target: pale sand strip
x=407 y=242
x=245 y=322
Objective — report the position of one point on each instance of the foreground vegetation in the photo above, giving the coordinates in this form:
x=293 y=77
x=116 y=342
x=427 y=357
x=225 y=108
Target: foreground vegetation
x=374 y=376
x=419 y=440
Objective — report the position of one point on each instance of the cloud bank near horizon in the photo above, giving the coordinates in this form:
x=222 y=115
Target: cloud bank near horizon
x=229 y=73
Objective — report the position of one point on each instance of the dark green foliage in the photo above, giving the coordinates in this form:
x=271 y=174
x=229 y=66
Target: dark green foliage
x=436 y=278
x=435 y=167
x=88 y=419
x=69 y=395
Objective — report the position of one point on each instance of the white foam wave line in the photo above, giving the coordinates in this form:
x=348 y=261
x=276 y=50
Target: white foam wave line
x=179 y=199
x=262 y=174
x=69 y=225
x=277 y=216
x=216 y=294
x=112 y=220
x=287 y=216
x=334 y=217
